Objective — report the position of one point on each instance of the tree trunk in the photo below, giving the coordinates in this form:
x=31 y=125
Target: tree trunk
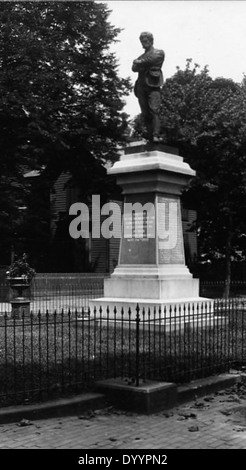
x=226 y=292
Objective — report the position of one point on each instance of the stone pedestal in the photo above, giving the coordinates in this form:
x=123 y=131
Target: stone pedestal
x=151 y=270
x=149 y=397
x=20 y=307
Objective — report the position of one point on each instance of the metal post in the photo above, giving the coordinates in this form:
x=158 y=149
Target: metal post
x=137 y=344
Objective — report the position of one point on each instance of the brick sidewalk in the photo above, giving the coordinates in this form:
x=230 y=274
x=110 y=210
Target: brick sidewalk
x=217 y=421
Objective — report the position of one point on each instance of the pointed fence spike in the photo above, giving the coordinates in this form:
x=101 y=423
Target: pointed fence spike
x=122 y=313
x=107 y=312
x=143 y=313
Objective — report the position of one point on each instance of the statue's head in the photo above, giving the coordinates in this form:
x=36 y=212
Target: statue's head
x=146 y=36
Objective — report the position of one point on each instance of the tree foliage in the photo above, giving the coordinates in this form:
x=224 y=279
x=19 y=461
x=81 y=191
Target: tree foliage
x=206 y=119
x=61 y=98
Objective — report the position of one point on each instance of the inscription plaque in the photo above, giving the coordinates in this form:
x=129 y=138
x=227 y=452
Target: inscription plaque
x=170 y=235
x=138 y=242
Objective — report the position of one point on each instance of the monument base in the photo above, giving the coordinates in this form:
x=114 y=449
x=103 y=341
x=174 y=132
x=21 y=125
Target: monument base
x=162 y=293
x=195 y=311
x=151 y=282
x=151 y=273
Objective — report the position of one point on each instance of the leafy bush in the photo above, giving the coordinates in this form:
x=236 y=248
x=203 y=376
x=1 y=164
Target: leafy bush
x=21 y=268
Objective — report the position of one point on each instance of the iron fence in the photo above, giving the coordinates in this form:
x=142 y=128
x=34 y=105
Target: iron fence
x=55 y=293
x=215 y=289
x=70 y=292
x=46 y=355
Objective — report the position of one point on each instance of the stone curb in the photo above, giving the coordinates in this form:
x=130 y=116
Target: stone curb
x=152 y=396
x=92 y=401
x=206 y=386
x=55 y=408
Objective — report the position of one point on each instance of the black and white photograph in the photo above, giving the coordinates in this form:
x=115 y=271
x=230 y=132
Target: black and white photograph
x=122 y=231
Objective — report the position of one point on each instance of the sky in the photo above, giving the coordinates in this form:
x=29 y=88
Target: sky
x=212 y=33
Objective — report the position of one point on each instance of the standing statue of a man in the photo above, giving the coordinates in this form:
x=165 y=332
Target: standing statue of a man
x=148 y=85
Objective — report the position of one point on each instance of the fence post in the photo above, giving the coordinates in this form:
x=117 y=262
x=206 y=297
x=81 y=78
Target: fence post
x=137 y=344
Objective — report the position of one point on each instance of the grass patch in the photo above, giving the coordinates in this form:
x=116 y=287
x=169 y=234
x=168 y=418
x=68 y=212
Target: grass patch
x=47 y=356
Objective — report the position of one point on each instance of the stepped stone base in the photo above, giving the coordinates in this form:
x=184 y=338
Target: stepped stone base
x=161 y=309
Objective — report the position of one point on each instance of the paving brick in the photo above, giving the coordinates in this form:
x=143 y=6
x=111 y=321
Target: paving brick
x=131 y=431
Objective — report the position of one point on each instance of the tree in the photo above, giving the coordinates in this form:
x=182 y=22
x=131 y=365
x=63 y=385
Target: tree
x=60 y=97
x=206 y=119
